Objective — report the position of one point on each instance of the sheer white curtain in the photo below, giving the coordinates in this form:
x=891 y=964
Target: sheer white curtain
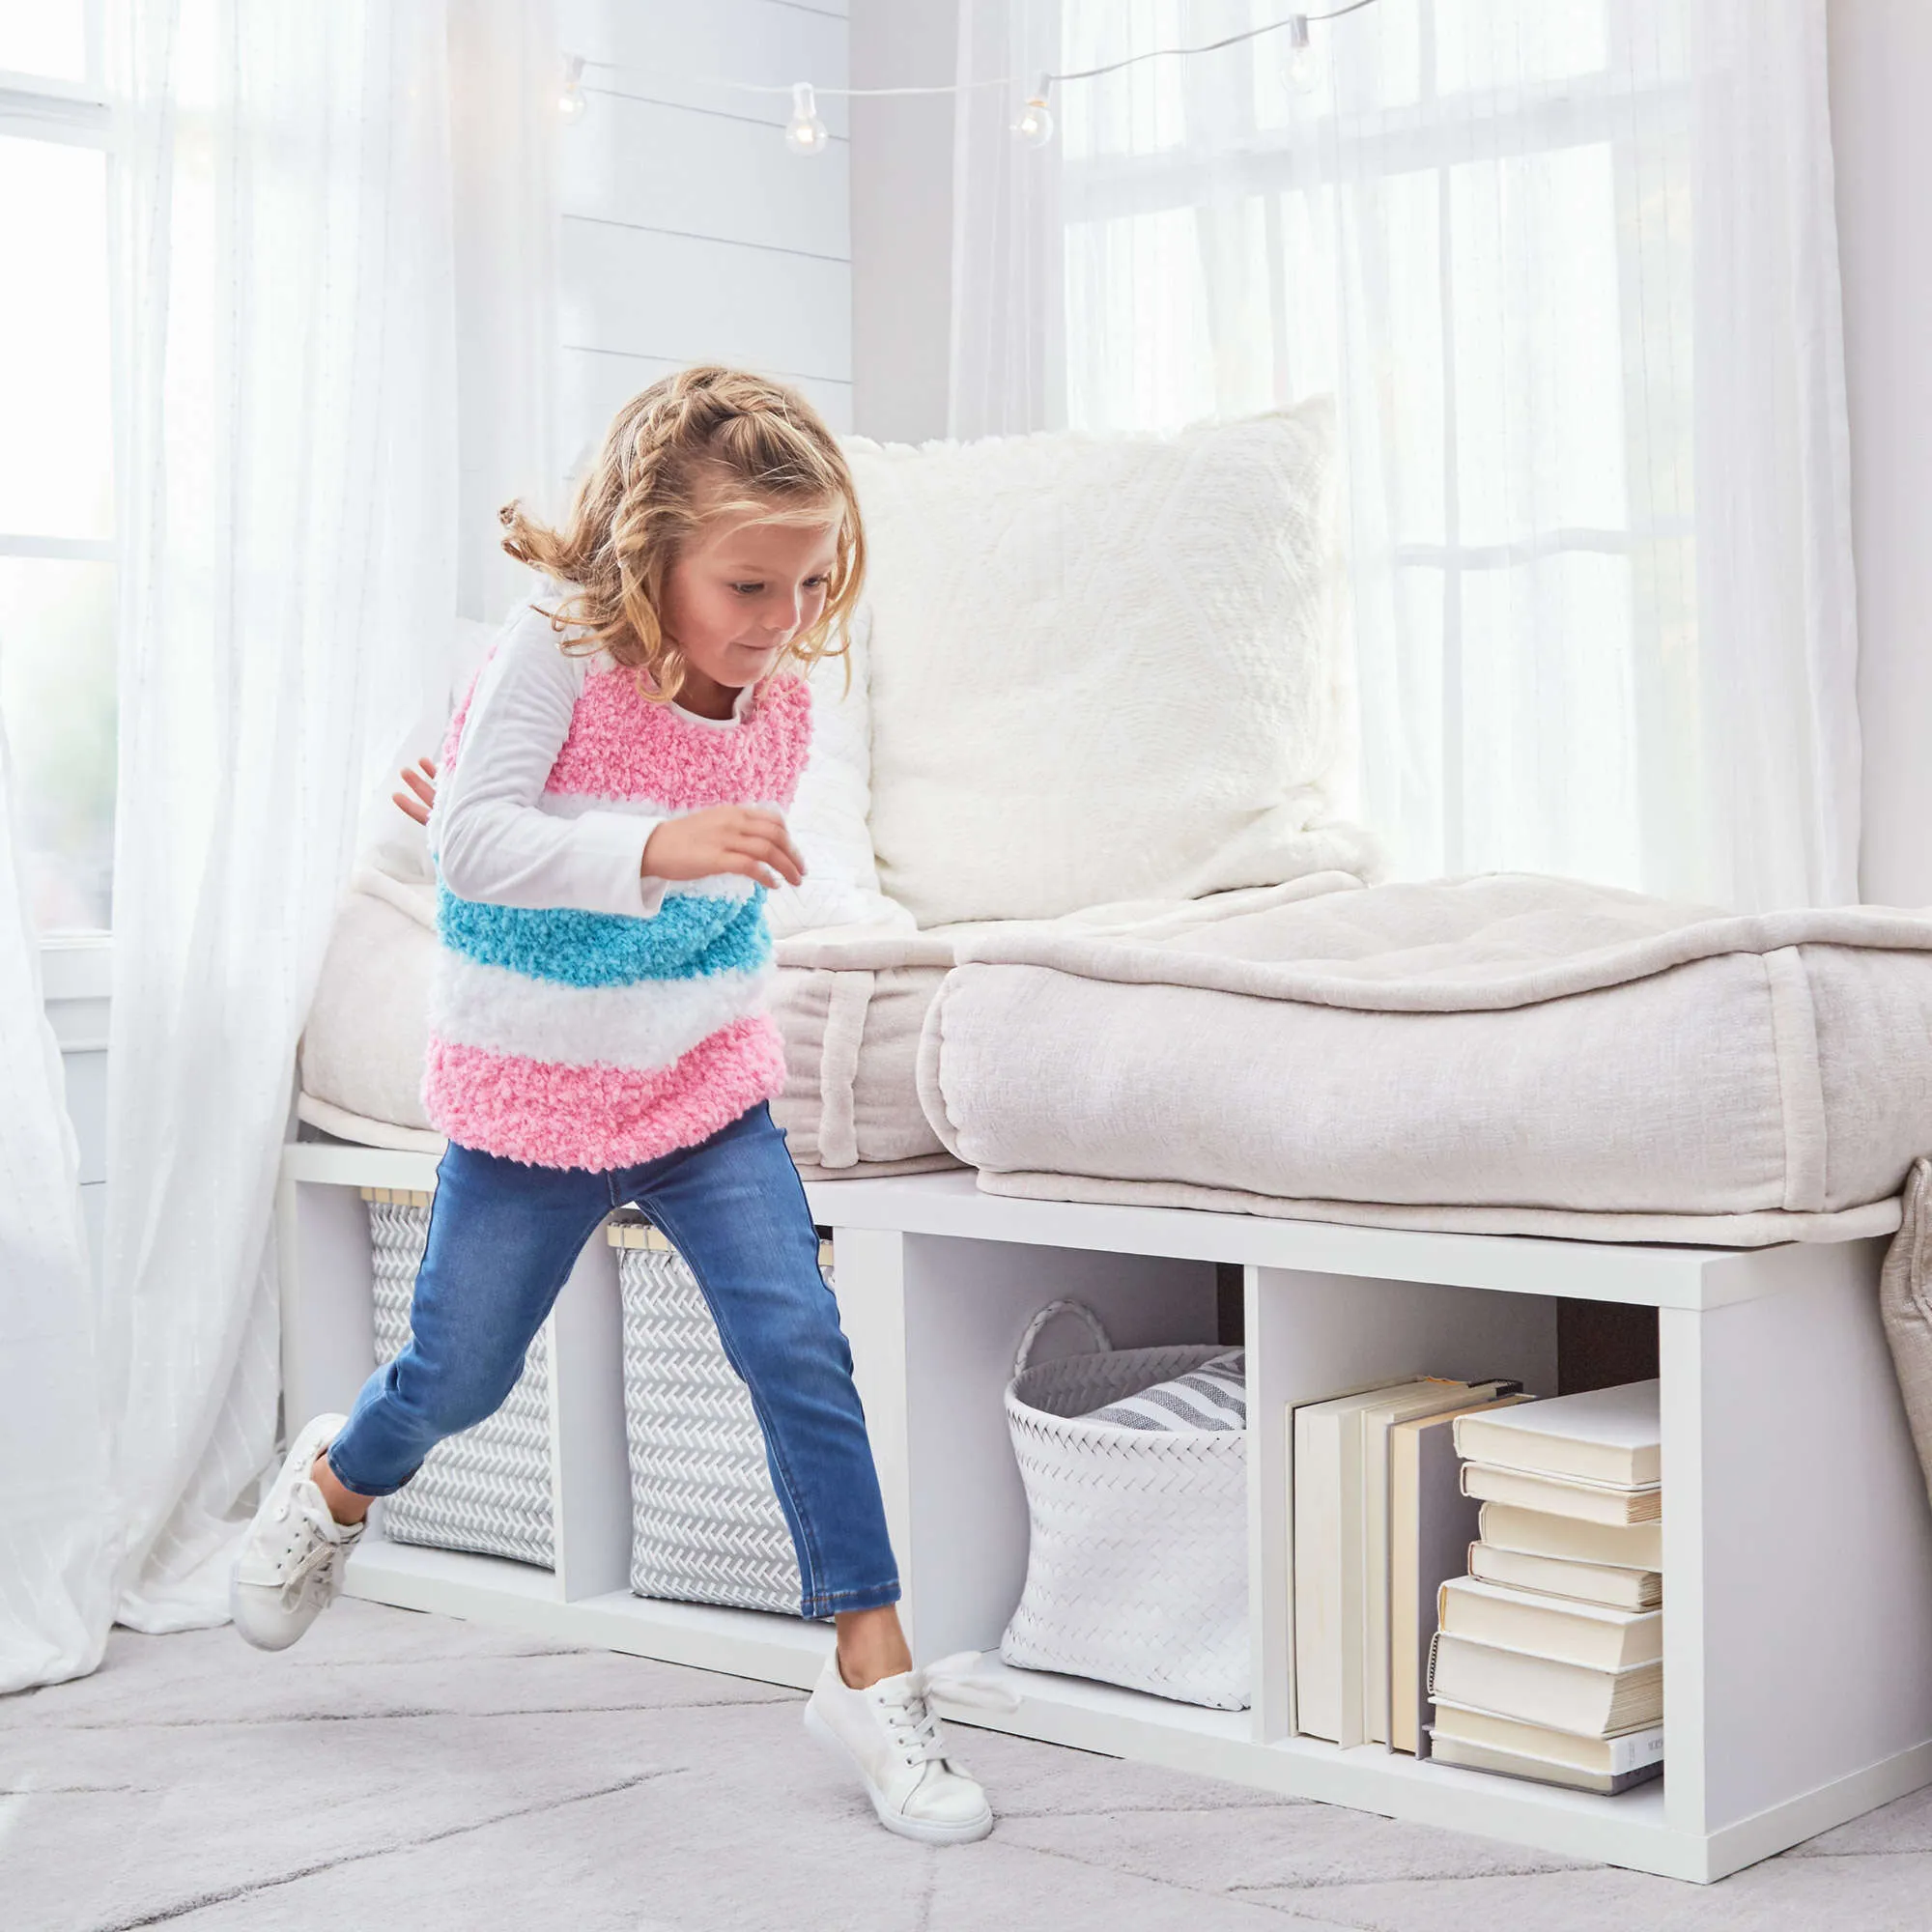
x=54 y=1594
x=288 y=474
x=313 y=197
x=1570 y=269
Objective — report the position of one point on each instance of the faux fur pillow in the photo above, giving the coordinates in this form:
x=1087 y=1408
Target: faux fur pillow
x=1104 y=667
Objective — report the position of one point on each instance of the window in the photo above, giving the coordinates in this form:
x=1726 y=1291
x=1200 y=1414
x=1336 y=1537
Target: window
x=1473 y=232
x=57 y=517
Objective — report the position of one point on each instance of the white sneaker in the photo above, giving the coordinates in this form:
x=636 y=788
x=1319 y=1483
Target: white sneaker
x=290 y=1569
x=917 y=1788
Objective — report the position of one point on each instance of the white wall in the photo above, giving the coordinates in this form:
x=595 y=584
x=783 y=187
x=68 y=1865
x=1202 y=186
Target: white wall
x=902 y=219
x=1881 y=55
x=691 y=232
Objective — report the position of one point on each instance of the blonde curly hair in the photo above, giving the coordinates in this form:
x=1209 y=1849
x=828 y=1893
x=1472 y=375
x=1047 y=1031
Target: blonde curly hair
x=704 y=442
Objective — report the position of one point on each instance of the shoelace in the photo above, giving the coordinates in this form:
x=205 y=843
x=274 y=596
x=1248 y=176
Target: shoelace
x=316 y=1568
x=959 y=1681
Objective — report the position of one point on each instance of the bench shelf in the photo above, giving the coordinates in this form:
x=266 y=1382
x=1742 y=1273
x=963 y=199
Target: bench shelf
x=1797 y=1649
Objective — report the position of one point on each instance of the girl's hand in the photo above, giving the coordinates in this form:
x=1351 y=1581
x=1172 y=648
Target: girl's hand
x=726 y=838
x=422 y=793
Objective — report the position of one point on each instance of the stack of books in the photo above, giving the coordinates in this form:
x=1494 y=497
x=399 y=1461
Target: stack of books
x=1376 y=1522
x=1548 y=1661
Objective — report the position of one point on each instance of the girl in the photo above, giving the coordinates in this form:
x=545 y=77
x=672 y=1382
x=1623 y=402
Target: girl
x=609 y=819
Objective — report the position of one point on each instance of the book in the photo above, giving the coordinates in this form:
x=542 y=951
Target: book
x=1628 y=1752
x=1571 y=1633
x=1326 y=1530
x=1429 y=1520
x=1634 y=1546
x=1604 y=1436
x=1543 y=1690
x=1588 y=1502
x=1469 y=1756
x=1565 y=1576
x=1378 y=1421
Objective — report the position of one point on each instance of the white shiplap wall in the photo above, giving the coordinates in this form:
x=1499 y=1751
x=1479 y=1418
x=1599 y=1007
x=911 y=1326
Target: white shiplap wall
x=689 y=231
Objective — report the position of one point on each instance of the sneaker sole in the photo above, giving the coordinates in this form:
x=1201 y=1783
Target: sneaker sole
x=924 y=1830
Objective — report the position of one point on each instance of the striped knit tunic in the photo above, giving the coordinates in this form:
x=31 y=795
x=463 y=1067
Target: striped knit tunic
x=564 y=1036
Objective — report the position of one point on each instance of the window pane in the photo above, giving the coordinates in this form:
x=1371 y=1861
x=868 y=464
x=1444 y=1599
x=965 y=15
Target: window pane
x=43 y=36
x=1549 y=753
x=57 y=701
x=1134 y=304
x=1539 y=344
x=1140 y=110
x=1484 y=44
x=1396 y=253
x=55 y=442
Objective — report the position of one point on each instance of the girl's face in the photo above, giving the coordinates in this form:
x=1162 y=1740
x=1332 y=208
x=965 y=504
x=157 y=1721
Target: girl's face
x=740 y=593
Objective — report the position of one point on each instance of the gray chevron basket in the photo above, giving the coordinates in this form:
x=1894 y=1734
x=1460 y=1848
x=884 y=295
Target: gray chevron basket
x=488 y=1488
x=705 y=1526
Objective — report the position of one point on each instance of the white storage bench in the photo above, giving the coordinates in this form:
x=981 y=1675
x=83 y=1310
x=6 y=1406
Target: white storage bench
x=1798 y=1621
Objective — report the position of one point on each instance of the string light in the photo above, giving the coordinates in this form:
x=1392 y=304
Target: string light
x=1301 y=67
x=805 y=132
x=1032 y=123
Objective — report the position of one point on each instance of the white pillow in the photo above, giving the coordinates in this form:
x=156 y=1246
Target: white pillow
x=1104 y=667
x=827 y=820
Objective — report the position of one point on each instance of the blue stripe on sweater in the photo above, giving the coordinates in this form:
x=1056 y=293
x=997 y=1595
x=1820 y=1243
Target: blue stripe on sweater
x=690 y=935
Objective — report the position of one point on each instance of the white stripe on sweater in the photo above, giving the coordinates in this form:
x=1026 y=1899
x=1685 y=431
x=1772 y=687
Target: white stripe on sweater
x=641 y=1027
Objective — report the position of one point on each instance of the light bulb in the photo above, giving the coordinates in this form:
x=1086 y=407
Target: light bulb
x=805 y=132
x=1302 y=66
x=1034 y=122
x=570 y=101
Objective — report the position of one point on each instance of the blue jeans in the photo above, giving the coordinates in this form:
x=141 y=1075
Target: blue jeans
x=503 y=1237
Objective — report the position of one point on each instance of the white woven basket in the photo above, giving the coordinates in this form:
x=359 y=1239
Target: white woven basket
x=488 y=1488
x=705 y=1526
x=1137 y=1572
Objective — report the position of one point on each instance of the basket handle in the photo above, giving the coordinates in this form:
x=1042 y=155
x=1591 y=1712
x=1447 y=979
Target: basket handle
x=1046 y=1315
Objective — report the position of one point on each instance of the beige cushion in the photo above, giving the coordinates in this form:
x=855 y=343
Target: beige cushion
x=1512 y=1053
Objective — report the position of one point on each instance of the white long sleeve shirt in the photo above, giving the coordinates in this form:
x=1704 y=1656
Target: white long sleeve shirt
x=495 y=833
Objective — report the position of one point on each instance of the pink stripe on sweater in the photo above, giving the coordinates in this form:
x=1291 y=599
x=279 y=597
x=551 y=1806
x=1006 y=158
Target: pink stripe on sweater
x=600 y=1117
x=623 y=745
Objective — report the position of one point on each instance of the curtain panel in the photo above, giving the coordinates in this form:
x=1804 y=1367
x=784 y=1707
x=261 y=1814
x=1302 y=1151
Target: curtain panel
x=287 y=477
x=1569 y=268
x=336 y=256
x=55 y=1537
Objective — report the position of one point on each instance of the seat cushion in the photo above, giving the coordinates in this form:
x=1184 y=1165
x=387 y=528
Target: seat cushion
x=1510 y=1053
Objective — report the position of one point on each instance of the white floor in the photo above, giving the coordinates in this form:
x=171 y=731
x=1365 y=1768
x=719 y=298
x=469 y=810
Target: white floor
x=416 y=1771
